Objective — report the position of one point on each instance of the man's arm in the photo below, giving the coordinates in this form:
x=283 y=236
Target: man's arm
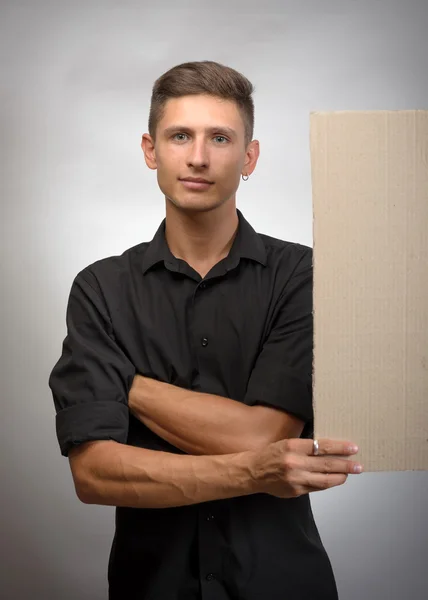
x=200 y=423
x=91 y=380
x=113 y=474
x=278 y=401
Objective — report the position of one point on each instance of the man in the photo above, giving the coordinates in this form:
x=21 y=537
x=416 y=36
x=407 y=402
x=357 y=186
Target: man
x=183 y=392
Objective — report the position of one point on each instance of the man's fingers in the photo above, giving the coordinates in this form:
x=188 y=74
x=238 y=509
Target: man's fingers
x=321 y=464
x=325 y=447
x=328 y=460
x=334 y=447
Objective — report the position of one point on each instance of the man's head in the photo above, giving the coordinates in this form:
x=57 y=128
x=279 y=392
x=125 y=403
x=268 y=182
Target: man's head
x=201 y=125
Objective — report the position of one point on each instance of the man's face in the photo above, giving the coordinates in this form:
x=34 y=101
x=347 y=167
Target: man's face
x=200 y=137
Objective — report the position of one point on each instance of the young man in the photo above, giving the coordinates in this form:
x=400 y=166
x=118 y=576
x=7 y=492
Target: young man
x=183 y=392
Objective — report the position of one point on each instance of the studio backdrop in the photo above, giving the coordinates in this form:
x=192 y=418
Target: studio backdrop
x=76 y=80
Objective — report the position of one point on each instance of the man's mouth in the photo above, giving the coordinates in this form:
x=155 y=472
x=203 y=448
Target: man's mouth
x=196 y=183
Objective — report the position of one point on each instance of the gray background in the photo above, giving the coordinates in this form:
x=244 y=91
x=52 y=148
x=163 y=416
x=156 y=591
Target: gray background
x=75 y=89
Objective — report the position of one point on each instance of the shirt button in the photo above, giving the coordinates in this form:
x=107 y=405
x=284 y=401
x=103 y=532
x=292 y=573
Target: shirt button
x=203 y=286
x=204 y=342
x=210 y=577
x=210 y=517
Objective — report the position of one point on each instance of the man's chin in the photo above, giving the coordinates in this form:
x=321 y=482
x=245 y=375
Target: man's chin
x=195 y=205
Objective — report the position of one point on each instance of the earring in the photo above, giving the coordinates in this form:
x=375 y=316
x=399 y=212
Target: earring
x=245 y=177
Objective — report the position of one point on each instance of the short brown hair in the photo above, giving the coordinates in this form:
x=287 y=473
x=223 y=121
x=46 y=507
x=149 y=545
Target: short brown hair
x=203 y=77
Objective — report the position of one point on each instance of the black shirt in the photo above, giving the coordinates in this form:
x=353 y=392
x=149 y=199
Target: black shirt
x=244 y=331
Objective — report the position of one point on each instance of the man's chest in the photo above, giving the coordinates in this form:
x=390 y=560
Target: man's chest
x=202 y=335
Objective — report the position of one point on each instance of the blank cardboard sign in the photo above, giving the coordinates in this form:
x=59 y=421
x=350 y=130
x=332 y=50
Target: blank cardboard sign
x=370 y=204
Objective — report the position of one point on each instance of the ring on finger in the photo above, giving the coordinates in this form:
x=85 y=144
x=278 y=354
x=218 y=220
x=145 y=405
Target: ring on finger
x=316 y=449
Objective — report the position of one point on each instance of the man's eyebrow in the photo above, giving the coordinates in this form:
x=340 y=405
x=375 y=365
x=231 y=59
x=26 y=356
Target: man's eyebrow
x=215 y=129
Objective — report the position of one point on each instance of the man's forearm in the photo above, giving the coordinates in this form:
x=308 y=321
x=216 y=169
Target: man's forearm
x=113 y=474
x=197 y=423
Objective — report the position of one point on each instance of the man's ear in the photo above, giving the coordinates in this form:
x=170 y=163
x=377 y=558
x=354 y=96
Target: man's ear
x=148 y=147
x=252 y=156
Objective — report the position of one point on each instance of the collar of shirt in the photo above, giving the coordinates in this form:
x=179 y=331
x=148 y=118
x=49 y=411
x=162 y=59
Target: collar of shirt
x=247 y=244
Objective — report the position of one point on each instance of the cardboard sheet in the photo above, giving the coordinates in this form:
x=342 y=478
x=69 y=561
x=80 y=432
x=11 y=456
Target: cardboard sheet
x=370 y=205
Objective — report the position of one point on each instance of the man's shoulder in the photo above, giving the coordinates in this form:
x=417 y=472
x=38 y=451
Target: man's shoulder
x=281 y=251
x=114 y=266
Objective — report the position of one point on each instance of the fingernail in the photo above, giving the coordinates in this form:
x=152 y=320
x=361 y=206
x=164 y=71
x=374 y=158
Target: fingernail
x=358 y=469
x=353 y=449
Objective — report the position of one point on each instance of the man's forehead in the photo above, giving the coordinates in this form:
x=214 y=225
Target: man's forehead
x=201 y=112
x=203 y=102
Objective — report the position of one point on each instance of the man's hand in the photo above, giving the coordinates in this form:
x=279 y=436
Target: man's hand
x=288 y=468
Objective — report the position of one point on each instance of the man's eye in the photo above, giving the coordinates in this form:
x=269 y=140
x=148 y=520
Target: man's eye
x=180 y=137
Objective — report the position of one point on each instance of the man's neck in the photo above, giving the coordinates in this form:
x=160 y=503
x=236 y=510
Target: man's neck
x=201 y=239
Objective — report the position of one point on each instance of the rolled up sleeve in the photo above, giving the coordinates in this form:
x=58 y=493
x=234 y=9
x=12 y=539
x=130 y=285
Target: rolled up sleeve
x=282 y=375
x=91 y=380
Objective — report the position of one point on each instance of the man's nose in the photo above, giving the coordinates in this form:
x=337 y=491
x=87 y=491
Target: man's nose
x=198 y=154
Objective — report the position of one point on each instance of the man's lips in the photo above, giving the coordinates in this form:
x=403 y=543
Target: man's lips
x=193 y=184
x=196 y=180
